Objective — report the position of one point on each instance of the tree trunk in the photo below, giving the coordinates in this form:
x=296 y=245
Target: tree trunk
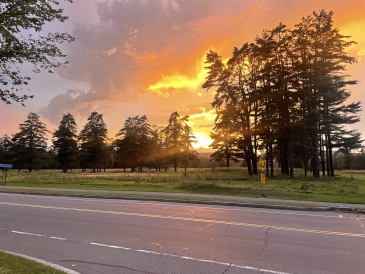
x=254 y=165
x=271 y=162
x=315 y=157
x=267 y=160
x=321 y=155
x=248 y=162
x=327 y=158
x=291 y=169
x=286 y=155
x=305 y=160
x=282 y=155
x=330 y=156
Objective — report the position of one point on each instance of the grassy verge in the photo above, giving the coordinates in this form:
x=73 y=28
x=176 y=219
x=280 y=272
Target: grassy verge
x=152 y=197
x=10 y=264
x=347 y=187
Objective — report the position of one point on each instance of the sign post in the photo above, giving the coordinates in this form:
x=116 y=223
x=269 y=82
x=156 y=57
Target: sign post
x=5 y=167
x=262 y=163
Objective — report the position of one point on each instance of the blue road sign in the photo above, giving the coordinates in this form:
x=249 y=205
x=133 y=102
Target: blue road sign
x=6 y=166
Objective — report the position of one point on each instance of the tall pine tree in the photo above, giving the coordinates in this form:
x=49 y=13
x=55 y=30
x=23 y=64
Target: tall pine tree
x=30 y=143
x=65 y=142
x=93 y=137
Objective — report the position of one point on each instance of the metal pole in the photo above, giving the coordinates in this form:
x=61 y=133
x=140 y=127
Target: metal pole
x=262 y=189
x=6 y=173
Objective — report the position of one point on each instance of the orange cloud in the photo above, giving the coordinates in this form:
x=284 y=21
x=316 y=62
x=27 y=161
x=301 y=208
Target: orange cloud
x=180 y=81
x=151 y=53
x=111 y=51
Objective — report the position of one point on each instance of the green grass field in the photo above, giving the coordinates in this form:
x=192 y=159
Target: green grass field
x=10 y=264
x=346 y=187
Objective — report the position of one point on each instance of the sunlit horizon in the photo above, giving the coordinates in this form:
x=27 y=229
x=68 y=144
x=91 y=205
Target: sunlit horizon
x=122 y=66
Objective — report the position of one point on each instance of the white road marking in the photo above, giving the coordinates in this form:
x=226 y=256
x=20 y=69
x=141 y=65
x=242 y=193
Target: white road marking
x=25 y=233
x=111 y=246
x=153 y=252
x=257 y=210
x=213 y=262
x=57 y=238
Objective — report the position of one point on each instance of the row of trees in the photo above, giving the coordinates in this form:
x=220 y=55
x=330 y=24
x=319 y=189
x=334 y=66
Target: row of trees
x=137 y=144
x=344 y=159
x=285 y=95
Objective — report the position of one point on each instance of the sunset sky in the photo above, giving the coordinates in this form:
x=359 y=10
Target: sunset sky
x=146 y=57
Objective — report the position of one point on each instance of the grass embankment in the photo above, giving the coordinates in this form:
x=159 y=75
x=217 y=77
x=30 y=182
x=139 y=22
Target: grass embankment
x=347 y=187
x=78 y=193
x=10 y=264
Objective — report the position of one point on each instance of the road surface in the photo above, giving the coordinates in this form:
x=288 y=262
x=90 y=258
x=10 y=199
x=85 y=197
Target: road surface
x=114 y=236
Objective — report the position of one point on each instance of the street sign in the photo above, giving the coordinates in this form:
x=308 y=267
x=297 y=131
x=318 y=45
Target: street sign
x=262 y=162
x=6 y=166
x=263 y=178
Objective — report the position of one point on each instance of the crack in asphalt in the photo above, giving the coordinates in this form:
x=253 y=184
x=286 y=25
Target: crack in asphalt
x=225 y=271
x=266 y=240
x=111 y=265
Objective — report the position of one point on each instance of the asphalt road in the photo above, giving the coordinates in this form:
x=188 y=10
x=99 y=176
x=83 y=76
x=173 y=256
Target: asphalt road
x=111 y=236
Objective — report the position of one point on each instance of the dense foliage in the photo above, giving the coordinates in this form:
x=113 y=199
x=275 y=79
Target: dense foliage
x=28 y=146
x=22 y=41
x=65 y=142
x=137 y=145
x=93 y=142
x=285 y=95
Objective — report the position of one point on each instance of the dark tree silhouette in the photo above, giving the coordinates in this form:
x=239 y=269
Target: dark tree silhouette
x=93 y=137
x=65 y=142
x=30 y=143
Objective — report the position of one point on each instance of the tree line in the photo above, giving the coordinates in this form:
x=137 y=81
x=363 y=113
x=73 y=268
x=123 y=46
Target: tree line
x=285 y=95
x=136 y=145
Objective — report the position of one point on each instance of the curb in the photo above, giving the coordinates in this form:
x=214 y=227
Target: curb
x=298 y=208
x=55 y=266
x=342 y=209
